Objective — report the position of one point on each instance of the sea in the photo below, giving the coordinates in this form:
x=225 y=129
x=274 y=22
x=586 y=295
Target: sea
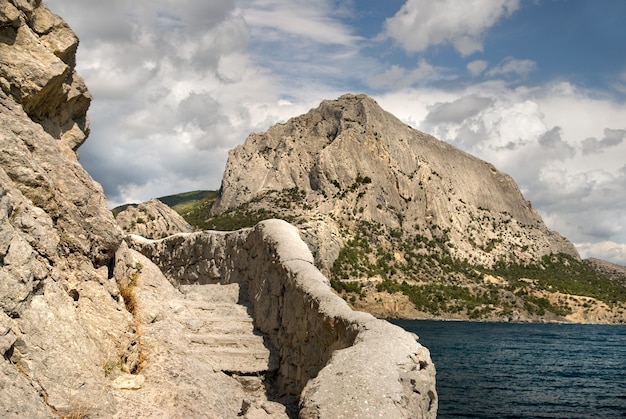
x=513 y=370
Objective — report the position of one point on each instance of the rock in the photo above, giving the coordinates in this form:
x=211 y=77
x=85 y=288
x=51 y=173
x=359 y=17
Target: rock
x=617 y=273
x=129 y=382
x=60 y=317
x=91 y=328
x=195 y=345
x=153 y=220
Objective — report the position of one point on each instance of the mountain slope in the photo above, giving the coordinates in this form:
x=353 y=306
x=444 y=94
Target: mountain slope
x=381 y=203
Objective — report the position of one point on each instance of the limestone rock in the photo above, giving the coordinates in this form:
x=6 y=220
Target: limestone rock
x=614 y=271
x=91 y=328
x=153 y=220
x=350 y=160
x=60 y=313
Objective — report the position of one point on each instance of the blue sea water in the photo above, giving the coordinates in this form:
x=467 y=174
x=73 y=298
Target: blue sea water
x=505 y=370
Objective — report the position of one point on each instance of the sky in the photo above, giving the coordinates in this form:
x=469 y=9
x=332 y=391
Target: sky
x=536 y=87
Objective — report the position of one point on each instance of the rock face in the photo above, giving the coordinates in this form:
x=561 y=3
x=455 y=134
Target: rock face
x=60 y=312
x=405 y=225
x=617 y=273
x=351 y=161
x=342 y=363
x=152 y=220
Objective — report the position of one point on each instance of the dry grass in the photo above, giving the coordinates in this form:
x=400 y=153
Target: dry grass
x=127 y=291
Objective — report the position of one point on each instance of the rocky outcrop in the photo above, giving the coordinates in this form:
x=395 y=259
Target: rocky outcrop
x=37 y=70
x=340 y=362
x=61 y=315
x=348 y=161
x=152 y=220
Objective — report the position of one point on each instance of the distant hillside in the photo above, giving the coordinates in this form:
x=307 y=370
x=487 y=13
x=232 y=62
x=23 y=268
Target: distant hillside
x=182 y=202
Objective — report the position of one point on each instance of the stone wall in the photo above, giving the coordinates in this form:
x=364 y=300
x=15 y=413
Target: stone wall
x=341 y=362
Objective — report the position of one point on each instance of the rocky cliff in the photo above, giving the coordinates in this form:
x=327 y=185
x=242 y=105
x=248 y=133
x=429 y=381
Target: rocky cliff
x=407 y=225
x=340 y=362
x=92 y=328
x=60 y=316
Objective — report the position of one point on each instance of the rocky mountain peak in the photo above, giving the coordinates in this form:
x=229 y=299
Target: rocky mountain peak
x=351 y=160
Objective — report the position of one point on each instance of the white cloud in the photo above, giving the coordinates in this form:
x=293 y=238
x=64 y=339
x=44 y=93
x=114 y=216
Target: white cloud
x=512 y=66
x=477 y=67
x=398 y=77
x=421 y=24
x=607 y=250
x=303 y=19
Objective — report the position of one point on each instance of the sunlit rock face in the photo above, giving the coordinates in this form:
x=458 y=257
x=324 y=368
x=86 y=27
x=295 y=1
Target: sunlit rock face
x=152 y=220
x=61 y=317
x=338 y=362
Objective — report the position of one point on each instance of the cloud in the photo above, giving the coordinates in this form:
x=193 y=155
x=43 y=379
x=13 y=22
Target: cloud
x=421 y=24
x=606 y=250
x=477 y=67
x=301 y=19
x=552 y=140
x=513 y=66
x=457 y=111
x=398 y=77
x=612 y=137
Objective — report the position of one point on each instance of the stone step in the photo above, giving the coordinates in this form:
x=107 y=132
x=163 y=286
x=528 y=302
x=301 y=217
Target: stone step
x=228 y=340
x=238 y=360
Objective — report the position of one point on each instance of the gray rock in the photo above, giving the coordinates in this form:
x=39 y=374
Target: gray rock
x=60 y=317
x=153 y=220
x=89 y=327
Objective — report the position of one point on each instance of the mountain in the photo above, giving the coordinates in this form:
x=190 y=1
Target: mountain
x=388 y=208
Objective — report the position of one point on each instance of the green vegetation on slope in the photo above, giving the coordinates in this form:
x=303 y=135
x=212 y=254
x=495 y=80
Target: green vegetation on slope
x=436 y=283
x=181 y=203
x=186 y=198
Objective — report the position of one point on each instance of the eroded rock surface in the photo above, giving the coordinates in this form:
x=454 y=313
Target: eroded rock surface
x=153 y=220
x=201 y=355
x=91 y=328
x=348 y=162
x=61 y=316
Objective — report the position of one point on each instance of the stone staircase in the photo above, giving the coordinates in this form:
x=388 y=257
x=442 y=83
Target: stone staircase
x=223 y=331
x=201 y=352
